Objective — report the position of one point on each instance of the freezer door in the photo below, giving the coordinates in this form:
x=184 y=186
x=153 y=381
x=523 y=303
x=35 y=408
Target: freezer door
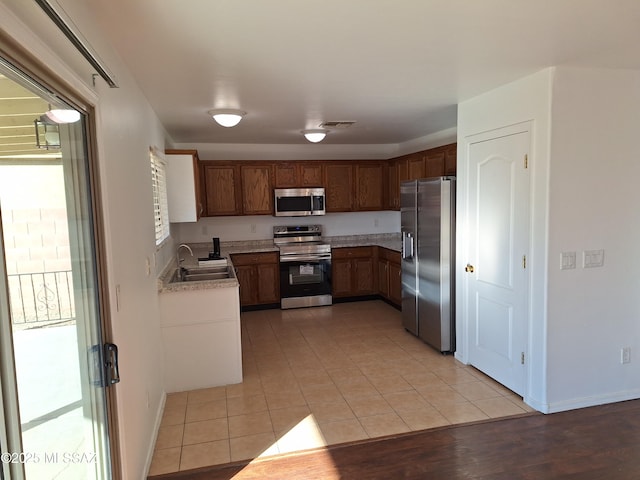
x=409 y=259
x=435 y=260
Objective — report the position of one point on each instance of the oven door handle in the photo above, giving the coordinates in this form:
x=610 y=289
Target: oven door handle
x=305 y=258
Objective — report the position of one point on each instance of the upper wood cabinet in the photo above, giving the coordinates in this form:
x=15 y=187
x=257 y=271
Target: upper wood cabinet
x=369 y=186
x=310 y=174
x=245 y=187
x=415 y=164
x=183 y=186
x=286 y=175
x=257 y=189
x=434 y=164
x=450 y=159
x=338 y=184
x=222 y=189
x=393 y=185
x=297 y=174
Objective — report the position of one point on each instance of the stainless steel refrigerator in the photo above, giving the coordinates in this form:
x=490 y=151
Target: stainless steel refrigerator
x=427 y=209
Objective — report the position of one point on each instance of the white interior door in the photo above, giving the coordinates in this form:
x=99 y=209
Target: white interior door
x=498 y=245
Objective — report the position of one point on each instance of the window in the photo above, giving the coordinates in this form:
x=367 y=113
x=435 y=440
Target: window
x=160 y=205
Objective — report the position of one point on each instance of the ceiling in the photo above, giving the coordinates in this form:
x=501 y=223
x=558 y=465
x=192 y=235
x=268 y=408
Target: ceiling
x=398 y=68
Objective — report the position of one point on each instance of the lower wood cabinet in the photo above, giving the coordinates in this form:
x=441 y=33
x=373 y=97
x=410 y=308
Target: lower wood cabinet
x=389 y=275
x=395 y=282
x=259 y=277
x=353 y=272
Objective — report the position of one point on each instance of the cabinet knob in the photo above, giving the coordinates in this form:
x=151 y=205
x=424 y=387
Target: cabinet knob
x=469 y=268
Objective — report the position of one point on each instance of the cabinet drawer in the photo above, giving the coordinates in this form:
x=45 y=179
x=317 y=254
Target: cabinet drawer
x=352 y=252
x=391 y=255
x=254 y=258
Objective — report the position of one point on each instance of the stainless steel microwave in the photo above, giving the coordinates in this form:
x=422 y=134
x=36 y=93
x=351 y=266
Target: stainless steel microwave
x=299 y=202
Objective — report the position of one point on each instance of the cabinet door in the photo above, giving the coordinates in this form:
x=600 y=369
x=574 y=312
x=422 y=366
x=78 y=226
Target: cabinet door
x=246 y=279
x=434 y=164
x=339 y=187
x=341 y=277
x=416 y=166
x=221 y=183
x=393 y=179
x=383 y=278
x=310 y=174
x=450 y=163
x=257 y=193
x=268 y=283
x=395 y=283
x=286 y=175
x=369 y=187
x=183 y=186
x=364 y=279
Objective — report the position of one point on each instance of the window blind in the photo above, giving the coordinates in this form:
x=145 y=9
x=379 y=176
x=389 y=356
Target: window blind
x=160 y=204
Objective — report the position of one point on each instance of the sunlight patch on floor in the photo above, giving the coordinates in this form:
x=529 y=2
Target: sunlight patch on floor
x=306 y=435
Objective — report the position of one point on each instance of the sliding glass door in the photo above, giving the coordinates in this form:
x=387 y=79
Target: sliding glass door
x=53 y=392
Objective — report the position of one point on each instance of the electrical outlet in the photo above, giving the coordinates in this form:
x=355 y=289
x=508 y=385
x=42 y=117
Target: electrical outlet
x=253 y=228
x=625 y=355
x=375 y=222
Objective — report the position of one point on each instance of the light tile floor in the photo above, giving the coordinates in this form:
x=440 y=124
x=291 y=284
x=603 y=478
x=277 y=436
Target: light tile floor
x=322 y=376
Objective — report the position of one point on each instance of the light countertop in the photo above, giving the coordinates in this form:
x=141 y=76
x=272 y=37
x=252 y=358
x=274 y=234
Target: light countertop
x=385 y=240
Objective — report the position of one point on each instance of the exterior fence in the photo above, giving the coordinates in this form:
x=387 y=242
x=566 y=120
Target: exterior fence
x=40 y=298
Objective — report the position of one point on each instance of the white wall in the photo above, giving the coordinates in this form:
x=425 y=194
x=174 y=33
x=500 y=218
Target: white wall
x=126 y=128
x=594 y=198
x=584 y=197
x=528 y=99
x=261 y=227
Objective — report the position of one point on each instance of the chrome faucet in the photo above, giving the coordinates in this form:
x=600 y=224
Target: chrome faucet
x=178 y=259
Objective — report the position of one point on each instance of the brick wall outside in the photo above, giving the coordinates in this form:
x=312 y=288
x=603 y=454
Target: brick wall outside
x=34 y=219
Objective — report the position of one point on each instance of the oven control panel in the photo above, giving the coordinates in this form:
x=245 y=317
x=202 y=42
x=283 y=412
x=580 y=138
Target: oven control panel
x=294 y=229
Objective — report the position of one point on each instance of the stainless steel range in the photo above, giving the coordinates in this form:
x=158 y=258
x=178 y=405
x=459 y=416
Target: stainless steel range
x=305 y=266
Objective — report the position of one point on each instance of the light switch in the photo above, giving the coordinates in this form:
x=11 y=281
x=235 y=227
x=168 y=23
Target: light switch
x=593 y=258
x=567 y=260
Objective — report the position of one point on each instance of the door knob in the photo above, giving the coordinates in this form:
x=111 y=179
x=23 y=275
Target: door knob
x=469 y=268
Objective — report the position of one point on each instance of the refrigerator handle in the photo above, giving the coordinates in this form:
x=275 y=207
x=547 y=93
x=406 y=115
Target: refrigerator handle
x=407 y=246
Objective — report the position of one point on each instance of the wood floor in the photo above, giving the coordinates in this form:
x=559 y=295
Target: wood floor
x=593 y=443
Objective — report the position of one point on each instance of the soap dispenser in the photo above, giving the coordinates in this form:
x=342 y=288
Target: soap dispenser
x=216 y=249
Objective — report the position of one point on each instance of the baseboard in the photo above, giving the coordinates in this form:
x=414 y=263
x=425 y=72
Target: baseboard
x=364 y=298
x=270 y=306
x=156 y=429
x=592 y=401
x=252 y=308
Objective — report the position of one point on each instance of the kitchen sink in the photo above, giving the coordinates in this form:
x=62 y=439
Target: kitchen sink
x=199 y=274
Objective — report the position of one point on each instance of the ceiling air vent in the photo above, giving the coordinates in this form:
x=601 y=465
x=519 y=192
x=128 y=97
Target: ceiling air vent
x=341 y=124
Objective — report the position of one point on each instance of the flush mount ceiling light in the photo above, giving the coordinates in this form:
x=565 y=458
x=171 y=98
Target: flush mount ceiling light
x=60 y=115
x=315 y=135
x=227 y=117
